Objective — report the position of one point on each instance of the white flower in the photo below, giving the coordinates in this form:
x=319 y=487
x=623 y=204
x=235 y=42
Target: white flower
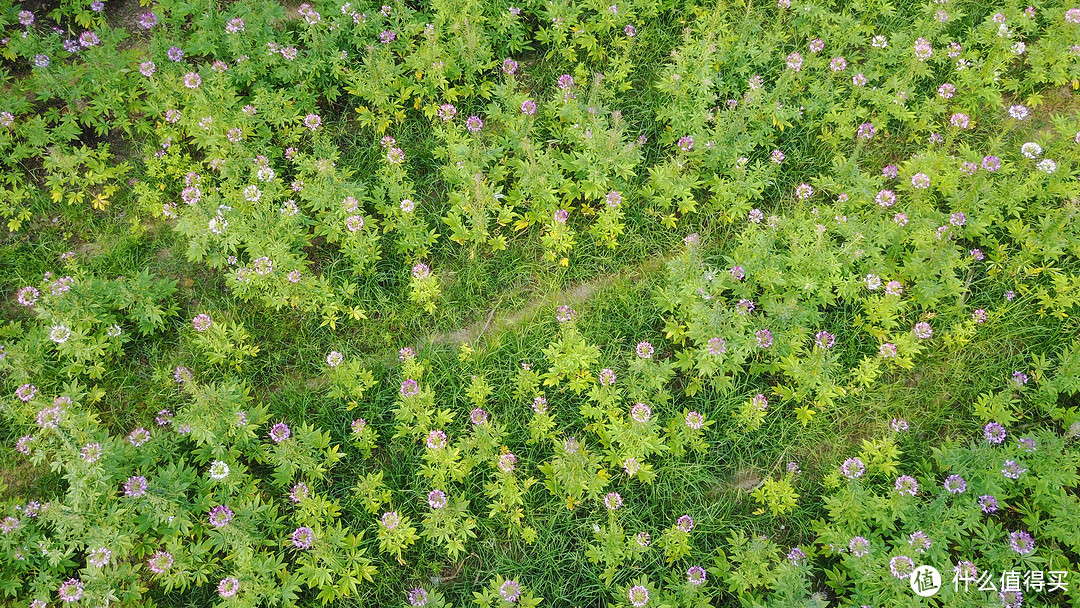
x=1031 y=150
x=219 y=470
x=60 y=333
x=252 y=193
x=1047 y=165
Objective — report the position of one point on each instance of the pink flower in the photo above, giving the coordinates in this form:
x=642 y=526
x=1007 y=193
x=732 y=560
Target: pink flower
x=280 y=432
x=923 y=50
x=794 y=62
x=685 y=523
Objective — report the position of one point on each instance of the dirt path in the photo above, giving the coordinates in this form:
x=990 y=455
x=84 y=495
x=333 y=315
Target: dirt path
x=496 y=322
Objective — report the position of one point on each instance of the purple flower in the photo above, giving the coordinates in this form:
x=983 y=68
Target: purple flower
x=803 y=191
x=510 y=591
x=1027 y=444
x=919 y=541
x=564 y=314
x=506 y=462
x=777 y=157
x=898 y=425
x=390 y=520
x=645 y=350
x=988 y=503
x=436 y=499
x=923 y=50
x=764 y=338
x=866 y=131
x=838 y=64
x=565 y=81
x=312 y=121
x=920 y=180
x=26 y=18
x=280 y=432
x=824 y=339
x=979 y=316
x=1012 y=469
x=228 y=587
x=1021 y=542
x=885 y=198
x=629 y=30
x=640 y=413
x=417 y=597
x=303 y=537
x=175 y=54
x=1020 y=378
x=612 y=500
x=638 y=596
x=88 y=39
x=794 y=62
x=744 y=307
x=686 y=143
x=410 y=388
x=859 y=546
x=447 y=112
x=955 y=484
x=299 y=492
x=220 y=516
x=41 y=61
x=26 y=392
x=817 y=45
x=991 y=163
x=717 y=346
x=607 y=377
x=160 y=562
x=478 y=416
x=147 y=21
x=696 y=575
x=901 y=566
x=685 y=523
x=853 y=468
x=994 y=433
x=71 y=590
x=960 y=120
x=1013 y=598
x=561 y=216
x=797 y=557
x=887 y=350
x=977 y=254
x=387 y=36
x=737 y=273
x=906 y=484
x=694 y=420
x=474 y=124
x=421 y=271
x=528 y=107
x=436 y=440
x=201 y=322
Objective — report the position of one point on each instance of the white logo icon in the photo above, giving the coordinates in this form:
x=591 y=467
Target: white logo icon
x=925 y=581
